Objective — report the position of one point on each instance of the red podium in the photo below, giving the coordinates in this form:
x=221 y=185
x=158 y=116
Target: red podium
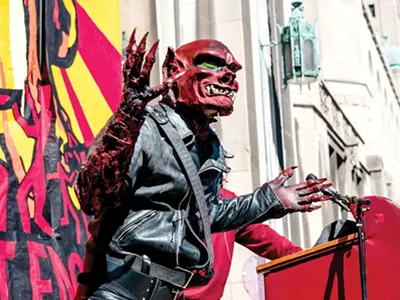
x=331 y=271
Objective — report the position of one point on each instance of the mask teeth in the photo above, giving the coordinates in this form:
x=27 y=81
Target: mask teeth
x=213 y=90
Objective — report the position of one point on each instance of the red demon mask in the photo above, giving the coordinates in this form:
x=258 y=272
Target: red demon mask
x=210 y=79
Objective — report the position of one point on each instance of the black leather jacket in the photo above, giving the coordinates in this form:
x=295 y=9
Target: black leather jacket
x=156 y=220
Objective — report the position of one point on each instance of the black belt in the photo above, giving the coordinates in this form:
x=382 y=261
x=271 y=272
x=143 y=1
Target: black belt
x=131 y=284
x=178 y=277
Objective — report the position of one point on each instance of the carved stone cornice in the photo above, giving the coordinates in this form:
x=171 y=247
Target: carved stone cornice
x=336 y=118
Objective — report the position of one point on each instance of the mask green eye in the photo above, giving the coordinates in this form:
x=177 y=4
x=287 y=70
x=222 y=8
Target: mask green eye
x=208 y=65
x=209 y=62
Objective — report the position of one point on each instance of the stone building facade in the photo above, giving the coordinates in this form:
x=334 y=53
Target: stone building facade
x=343 y=127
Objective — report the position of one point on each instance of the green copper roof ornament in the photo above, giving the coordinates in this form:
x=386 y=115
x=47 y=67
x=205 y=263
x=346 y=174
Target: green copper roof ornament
x=300 y=58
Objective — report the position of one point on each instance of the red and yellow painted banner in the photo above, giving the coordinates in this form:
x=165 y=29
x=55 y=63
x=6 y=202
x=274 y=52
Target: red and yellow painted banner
x=60 y=81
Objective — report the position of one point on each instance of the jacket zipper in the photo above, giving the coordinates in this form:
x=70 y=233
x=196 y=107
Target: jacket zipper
x=123 y=231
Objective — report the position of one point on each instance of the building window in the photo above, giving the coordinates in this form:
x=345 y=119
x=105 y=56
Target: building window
x=372 y=9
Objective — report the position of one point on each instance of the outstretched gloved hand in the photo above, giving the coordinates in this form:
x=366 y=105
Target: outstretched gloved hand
x=136 y=73
x=301 y=196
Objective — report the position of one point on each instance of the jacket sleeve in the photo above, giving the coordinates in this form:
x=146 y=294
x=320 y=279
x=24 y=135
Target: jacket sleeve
x=265 y=242
x=233 y=213
x=105 y=174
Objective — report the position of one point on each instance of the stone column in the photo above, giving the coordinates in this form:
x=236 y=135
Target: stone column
x=311 y=146
x=225 y=23
x=186 y=15
x=205 y=19
x=223 y=20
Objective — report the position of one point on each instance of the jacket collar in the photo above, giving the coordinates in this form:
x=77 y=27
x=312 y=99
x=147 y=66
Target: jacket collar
x=217 y=158
x=179 y=124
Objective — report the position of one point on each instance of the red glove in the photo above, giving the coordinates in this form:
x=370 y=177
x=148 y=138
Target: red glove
x=301 y=196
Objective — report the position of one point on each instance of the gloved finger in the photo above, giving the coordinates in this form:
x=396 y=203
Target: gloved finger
x=132 y=40
x=310 y=207
x=317 y=197
x=151 y=93
x=308 y=183
x=169 y=59
x=148 y=64
x=313 y=189
x=138 y=57
x=133 y=62
x=283 y=176
x=129 y=55
x=288 y=171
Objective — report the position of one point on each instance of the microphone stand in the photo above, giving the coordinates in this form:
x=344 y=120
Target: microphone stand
x=344 y=202
x=361 y=250
x=360 y=218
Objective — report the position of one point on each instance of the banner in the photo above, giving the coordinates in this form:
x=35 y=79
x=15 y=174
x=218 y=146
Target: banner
x=60 y=81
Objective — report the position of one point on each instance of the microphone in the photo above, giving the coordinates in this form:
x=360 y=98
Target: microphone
x=336 y=196
x=328 y=192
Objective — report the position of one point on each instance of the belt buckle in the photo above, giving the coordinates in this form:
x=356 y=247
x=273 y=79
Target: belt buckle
x=188 y=281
